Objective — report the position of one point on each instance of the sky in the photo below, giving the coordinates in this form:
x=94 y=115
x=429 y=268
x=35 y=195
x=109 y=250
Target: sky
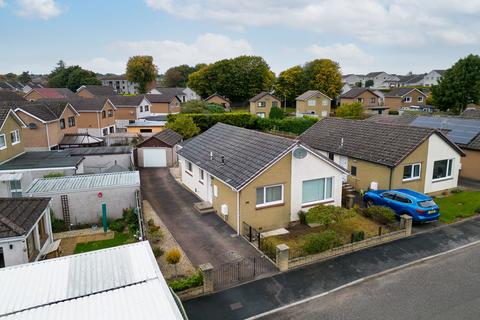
x=396 y=36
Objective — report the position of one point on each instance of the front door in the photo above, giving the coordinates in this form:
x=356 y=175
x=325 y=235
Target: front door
x=343 y=161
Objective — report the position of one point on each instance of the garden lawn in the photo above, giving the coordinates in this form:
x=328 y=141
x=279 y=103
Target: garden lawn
x=458 y=205
x=118 y=240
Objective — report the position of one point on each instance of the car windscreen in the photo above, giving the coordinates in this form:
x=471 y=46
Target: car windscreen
x=427 y=203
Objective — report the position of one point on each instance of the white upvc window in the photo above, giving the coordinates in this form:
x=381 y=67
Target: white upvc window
x=311 y=103
x=3 y=142
x=408 y=99
x=16 y=188
x=201 y=173
x=420 y=99
x=442 y=169
x=261 y=114
x=412 y=171
x=269 y=195
x=15 y=136
x=317 y=190
x=189 y=167
x=262 y=104
x=325 y=102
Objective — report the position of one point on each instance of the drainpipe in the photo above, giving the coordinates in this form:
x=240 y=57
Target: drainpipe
x=98 y=122
x=238 y=212
x=48 y=137
x=390 y=182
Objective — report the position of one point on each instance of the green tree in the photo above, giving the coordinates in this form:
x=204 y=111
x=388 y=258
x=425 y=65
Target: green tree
x=290 y=84
x=359 y=84
x=199 y=106
x=350 y=111
x=369 y=83
x=276 y=113
x=141 y=70
x=71 y=77
x=178 y=76
x=184 y=125
x=25 y=77
x=239 y=78
x=10 y=76
x=324 y=75
x=459 y=86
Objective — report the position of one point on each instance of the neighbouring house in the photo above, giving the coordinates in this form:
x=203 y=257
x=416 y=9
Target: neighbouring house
x=165 y=103
x=381 y=79
x=25 y=230
x=17 y=173
x=262 y=103
x=125 y=279
x=369 y=99
x=104 y=159
x=8 y=96
x=79 y=199
x=471 y=113
x=256 y=179
x=92 y=91
x=159 y=150
x=31 y=85
x=353 y=79
x=345 y=88
x=432 y=78
x=49 y=93
x=384 y=156
x=97 y=115
x=220 y=100
x=313 y=103
x=120 y=84
x=464 y=132
x=183 y=94
x=129 y=109
x=47 y=123
x=12 y=142
x=398 y=98
x=410 y=80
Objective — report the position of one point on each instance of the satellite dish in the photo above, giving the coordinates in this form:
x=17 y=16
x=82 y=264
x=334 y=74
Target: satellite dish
x=300 y=153
x=32 y=125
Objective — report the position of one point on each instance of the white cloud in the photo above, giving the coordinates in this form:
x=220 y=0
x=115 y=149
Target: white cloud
x=2 y=3
x=390 y=22
x=348 y=55
x=206 y=48
x=43 y=9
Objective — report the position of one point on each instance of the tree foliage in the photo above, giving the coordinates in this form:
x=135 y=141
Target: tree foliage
x=350 y=111
x=276 y=113
x=141 y=70
x=239 y=78
x=184 y=125
x=290 y=84
x=459 y=86
x=199 y=106
x=25 y=77
x=71 y=77
x=178 y=76
x=324 y=75
x=369 y=83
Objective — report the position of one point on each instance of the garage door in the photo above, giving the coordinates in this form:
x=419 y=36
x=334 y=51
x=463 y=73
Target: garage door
x=154 y=157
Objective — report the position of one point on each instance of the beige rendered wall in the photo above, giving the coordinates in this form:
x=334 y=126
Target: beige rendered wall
x=225 y=195
x=254 y=108
x=303 y=107
x=471 y=165
x=85 y=94
x=34 y=138
x=33 y=96
x=418 y=156
x=11 y=150
x=368 y=172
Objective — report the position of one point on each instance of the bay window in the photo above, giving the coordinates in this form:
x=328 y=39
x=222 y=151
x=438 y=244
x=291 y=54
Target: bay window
x=442 y=169
x=317 y=190
x=269 y=195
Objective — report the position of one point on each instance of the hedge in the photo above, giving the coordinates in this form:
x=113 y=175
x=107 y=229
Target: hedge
x=187 y=283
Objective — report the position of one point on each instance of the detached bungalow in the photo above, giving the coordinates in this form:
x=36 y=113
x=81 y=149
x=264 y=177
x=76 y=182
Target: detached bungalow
x=218 y=99
x=369 y=99
x=256 y=179
x=262 y=103
x=313 y=103
x=383 y=156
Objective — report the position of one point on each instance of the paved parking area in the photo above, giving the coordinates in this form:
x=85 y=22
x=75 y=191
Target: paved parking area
x=204 y=238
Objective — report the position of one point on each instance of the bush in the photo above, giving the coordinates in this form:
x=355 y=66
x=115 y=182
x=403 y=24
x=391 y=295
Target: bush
x=173 y=256
x=276 y=113
x=150 y=222
x=393 y=112
x=456 y=190
x=157 y=252
x=350 y=111
x=326 y=215
x=380 y=214
x=117 y=225
x=477 y=210
x=130 y=219
x=58 y=225
x=153 y=228
x=268 y=248
x=183 y=284
x=184 y=125
x=156 y=236
x=199 y=106
x=358 y=236
x=318 y=242
x=302 y=216
x=54 y=175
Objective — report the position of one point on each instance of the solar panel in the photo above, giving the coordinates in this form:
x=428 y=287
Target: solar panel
x=461 y=131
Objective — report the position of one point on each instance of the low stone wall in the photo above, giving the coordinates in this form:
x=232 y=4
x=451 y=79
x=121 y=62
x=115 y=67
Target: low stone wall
x=190 y=293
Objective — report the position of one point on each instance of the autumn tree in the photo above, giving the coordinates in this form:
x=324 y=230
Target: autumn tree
x=290 y=84
x=459 y=86
x=324 y=75
x=141 y=70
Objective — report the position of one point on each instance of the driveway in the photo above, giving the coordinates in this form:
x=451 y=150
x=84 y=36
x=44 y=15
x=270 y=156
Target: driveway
x=204 y=238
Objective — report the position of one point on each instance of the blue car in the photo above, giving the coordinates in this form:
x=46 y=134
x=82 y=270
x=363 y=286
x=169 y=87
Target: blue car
x=403 y=201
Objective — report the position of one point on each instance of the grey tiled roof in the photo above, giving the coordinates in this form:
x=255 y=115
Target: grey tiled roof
x=99 y=90
x=45 y=110
x=175 y=91
x=261 y=95
x=6 y=95
x=404 y=119
x=400 y=92
x=120 y=101
x=374 y=142
x=308 y=94
x=168 y=136
x=471 y=113
x=18 y=215
x=4 y=110
x=161 y=98
x=246 y=152
x=355 y=92
x=40 y=160
x=88 y=104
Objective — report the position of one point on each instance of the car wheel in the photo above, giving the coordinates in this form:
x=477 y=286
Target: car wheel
x=369 y=203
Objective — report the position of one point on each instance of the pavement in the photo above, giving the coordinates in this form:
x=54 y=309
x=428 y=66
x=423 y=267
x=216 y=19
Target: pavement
x=262 y=295
x=444 y=287
x=204 y=238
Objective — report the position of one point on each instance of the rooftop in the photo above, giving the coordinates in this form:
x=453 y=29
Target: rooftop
x=246 y=152
x=310 y=93
x=369 y=141
x=355 y=92
x=84 y=182
x=19 y=215
x=119 y=100
x=7 y=95
x=400 y=92
x=166 y=97
x=167 y=136
x=126 y=280
x=471 y=113
x=90 y=151
x=55 y=93
x=41 y=160
x=261 y=95
x=88 y=104
x=98 y=90
x=46 y=110
x=80 y=139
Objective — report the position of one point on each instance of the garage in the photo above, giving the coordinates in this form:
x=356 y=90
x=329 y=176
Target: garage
x=158 y=151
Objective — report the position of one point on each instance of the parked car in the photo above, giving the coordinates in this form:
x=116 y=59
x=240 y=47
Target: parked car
x=420 y=207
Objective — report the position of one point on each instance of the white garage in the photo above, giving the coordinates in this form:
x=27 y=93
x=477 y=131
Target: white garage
x=158 y=151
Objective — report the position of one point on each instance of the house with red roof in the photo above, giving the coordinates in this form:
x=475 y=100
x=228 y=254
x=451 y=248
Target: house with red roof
x=49 y=93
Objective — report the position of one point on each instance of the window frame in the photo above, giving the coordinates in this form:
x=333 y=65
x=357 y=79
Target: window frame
x=62 y=123
x=16 y=133
x=325 y=199
x=110 y=113
x=71 y=121
x=311 y=102
x=271 y=203
x=420 y=99
x=261 y=115
x=262 y=104
x=201 y=174
x=412 y=171
x=4 y=140
x=448 y=169
x=408 y=99
x=353 y=171
x=189 y=167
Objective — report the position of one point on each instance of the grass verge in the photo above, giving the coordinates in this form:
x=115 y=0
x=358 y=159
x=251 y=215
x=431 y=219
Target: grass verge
x=459 y=205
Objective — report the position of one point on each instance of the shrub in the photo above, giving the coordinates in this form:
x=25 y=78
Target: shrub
x=477 y=210
x=153 y=228
x=173 y=256
x=318 y=242
x=358 y=236
x=302 y=216
x=150 y=222
x=350 y=111
x=380 y=214
x=130 y=218
x=156 y=236
x=117 y=225
x=184 y=125
x=326 y=215
x=268 y=248
x=157 y=252
x=276 y=113
x=187 y=283
x=54 y=175
x=58 y=225
x=393 y=112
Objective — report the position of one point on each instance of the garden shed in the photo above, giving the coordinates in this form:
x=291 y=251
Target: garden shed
x=158 y=150
x=81 y=199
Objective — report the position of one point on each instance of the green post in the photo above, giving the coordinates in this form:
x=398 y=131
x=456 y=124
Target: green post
x=104 y=217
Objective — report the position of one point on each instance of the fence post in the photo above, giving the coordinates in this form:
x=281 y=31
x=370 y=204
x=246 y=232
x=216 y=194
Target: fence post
x=406 y=223
x=282 y=257
x=207 y=272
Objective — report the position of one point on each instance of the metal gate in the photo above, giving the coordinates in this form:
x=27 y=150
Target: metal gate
x=243 y=270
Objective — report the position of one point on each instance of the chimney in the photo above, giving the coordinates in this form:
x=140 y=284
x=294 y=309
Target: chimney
x=223 y=159
x=341 y=143
x=211 y=155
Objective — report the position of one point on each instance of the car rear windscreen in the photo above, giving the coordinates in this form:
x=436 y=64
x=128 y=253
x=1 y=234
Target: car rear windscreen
x=427 y=203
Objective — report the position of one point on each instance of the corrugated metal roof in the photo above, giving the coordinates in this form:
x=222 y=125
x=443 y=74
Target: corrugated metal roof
x=123 y=281
x=84 y=182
